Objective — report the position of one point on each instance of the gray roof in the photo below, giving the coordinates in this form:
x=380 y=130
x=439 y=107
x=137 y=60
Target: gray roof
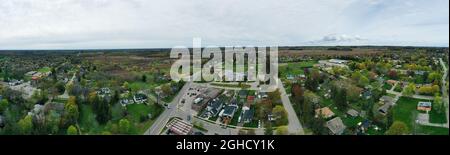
x=353 y=112
x=336 y=126
x=229 y=110
x=248 y=114
x=387 y=99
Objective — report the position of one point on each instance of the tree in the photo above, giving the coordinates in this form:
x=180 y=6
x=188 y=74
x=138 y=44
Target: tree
x=71 y=111
x=144 y=78
x=103 y=111
x=124 y=126
x=52 y=121
x=282 y=130
x=166 y=89
x=308 y=107
x=268 y=129
x=297 y=93
x=410 y=90
x=3 y=105
x=434 y=76
x=392 y=74
x=72 y=130
x=26 y=125
x=280 y=114
x=398 y=128
x=275 y=96
x=438 y=104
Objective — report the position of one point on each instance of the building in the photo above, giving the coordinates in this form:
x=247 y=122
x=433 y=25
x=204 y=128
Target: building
x=214 y=107
x=338 y=61
x=325 y=111
x=179 y=127
x=386 y=100
x=353 y=113
x=227 y=113
x=247 y=115
x=336 y=126
x=203 y=98
x=424 y=106
x=140 y=98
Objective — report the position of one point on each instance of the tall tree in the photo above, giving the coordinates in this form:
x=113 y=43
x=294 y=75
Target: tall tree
x=398 y=128
x=26 y=125
x=72 y=130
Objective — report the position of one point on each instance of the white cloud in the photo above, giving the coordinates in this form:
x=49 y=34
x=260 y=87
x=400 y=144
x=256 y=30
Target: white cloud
x=57 y=24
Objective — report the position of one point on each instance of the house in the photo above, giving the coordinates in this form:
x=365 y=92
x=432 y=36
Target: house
x=104 y=92
x=336 y=126
x=337 y=61
x=366 y=94
x=247 y=115
x=325 y=112
x=391 y=82
x=419 y=72
x=352 y=113
x=424 y=106
x=364 y=126
x=250 y=99
x=214 y=107
x=228 y=112
x=386 y=100
x=205 y=95
x=243 y=94
x=125 y=102
x=140 y=98
x=384 y=109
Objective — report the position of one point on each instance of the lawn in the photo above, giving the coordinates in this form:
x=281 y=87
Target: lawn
x=405 y=109
x=139 y=112
x=429 y=130
x=351 y=122
x=44 y=70
x=295 y=68
x=436 y=117
x=387 y=86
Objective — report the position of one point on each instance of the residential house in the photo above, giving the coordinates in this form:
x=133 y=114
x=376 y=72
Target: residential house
x=140 y=98
x=214 y=107
x=325 y=112
x=424 y=106
x=336 y=126
x=353 y=113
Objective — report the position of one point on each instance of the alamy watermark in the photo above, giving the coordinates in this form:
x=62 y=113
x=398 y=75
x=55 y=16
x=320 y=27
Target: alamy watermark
x=254 y=67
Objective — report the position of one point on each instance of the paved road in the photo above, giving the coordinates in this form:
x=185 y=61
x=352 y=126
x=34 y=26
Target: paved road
x=159 y=124
x=444 y=89
x=294 y=124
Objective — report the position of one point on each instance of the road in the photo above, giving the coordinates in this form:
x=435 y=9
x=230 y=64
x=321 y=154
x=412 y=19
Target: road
x=444 y=89
x=294 y=126
x=159 y=124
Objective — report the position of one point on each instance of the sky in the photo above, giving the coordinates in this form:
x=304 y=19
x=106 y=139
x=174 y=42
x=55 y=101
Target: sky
x=97 y=24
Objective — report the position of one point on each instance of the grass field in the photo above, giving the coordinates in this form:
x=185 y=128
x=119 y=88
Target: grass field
x=295 y=68
x=405 y=110
x=436 y=117
x=44 y=70
x=429 y=130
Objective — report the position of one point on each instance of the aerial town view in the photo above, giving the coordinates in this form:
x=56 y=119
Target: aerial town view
x=98 y=67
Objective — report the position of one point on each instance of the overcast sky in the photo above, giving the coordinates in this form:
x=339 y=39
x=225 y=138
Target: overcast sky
x=87 y=24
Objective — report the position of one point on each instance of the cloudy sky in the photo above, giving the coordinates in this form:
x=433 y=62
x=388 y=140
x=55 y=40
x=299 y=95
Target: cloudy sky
x=88 y=24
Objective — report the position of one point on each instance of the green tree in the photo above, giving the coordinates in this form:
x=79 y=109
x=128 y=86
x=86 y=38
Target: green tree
x=438 y=104
x=410 y=90
x=3 y=105
x=280 y=113
x=282 y=130
x=398 y=128
x=71 y=111
x=124 y=126
x=52 y=122
x=72 y=130
x=26 y=125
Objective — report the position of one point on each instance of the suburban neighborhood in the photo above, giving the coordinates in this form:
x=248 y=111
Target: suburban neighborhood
x=319 y=91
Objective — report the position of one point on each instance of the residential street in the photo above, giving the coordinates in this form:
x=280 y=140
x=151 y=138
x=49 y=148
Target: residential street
x=159 y=124
x=294 y=123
